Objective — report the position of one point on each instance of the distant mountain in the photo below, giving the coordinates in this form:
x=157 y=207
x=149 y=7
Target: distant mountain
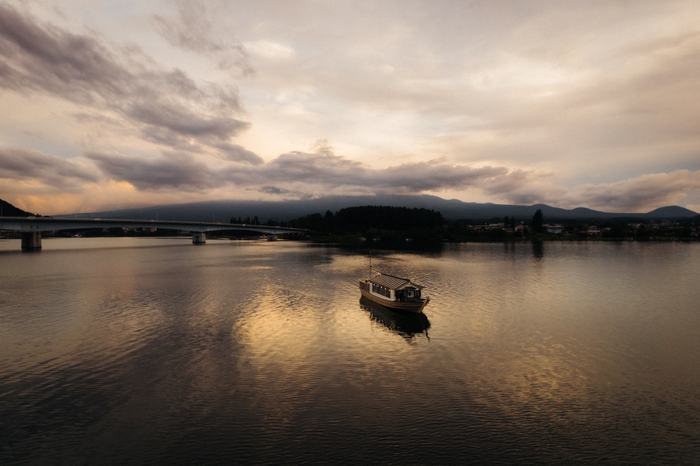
x=671 y=212
x=8 y=210
x=222 y=211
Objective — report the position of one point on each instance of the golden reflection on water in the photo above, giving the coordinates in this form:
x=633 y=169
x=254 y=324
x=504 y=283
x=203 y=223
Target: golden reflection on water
x=276 y=329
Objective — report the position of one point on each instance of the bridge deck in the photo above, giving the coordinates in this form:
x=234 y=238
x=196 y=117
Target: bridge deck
x=39 y=224
x=31 y=227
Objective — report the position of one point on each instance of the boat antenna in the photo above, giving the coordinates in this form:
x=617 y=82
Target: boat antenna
x=370 y=264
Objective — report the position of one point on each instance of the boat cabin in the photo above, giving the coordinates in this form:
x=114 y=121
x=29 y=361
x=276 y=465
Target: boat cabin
x=395 y=288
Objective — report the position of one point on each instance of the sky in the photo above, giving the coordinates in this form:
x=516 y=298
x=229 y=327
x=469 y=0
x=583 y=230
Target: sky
x=114 y=104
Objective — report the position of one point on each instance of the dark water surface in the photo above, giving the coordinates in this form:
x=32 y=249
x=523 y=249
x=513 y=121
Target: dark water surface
x=155 y=351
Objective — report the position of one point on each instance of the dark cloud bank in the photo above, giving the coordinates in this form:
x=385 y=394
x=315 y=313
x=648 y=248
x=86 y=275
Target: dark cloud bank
x=319 y=172
x=19 y=164
x=300 y=175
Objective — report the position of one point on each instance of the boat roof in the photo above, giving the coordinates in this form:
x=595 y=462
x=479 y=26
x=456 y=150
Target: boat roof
x=392 y=282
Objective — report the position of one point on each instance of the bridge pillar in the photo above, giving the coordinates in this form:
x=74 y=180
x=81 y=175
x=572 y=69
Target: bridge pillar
x=199 y=238
x=31 y=241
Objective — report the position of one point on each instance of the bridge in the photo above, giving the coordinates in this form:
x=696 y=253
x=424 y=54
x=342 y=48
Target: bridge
x=32 y=227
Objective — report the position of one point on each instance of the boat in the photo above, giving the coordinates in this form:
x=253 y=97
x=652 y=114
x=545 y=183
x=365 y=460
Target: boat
x=396 y=293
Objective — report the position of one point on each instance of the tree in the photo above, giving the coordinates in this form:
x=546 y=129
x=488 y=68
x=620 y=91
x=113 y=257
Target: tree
x=538 y=221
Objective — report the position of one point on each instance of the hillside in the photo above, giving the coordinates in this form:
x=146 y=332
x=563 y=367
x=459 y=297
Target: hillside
x=671 y=212
x=222 y=211
x=8 y=210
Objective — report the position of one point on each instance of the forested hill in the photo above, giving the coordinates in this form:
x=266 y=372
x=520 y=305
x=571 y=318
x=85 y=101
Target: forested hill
x=387 y=218
x=8 y=210
x=373 y=221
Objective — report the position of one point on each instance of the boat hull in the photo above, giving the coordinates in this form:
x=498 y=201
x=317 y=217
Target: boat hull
x=406 y=324
x=410 y=306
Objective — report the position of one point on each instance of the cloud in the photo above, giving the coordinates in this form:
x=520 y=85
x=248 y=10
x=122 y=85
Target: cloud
x=166 y=106
x=273 y=190
x=298 y=174
x=48 y=170
x=304 y=175
x=640 y=194
x=434 y=175
x=270 y=50
x=236 y=153
x=324 y=172
x=176 y=171
x=177 y=120
x=55 y=61
x=323 y=168
x=192 y=30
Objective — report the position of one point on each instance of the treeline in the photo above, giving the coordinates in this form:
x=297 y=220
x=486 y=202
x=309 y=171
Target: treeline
x=369 y=222
x=684 y=229
x=252 y=221
x=402 y=224
x=538 y=228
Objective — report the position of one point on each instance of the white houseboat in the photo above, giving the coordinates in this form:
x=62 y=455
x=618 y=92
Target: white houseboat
x=393 y=292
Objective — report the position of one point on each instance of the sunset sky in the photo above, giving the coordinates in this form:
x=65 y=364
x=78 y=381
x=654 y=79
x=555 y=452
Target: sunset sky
x=114 y=104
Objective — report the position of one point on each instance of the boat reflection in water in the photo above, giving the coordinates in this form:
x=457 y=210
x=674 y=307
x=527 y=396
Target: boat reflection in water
x=406 y=324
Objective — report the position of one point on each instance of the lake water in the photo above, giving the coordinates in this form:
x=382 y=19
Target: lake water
x=154 y=351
